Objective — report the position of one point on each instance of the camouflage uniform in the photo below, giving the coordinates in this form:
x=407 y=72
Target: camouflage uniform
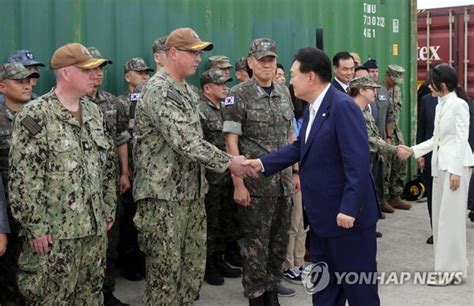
x=117 y=128
x=376 y=143
x=395 y=170
x=264 y=123
x=9 y=261
x=169 y=187
x=221 y=211
x=62 y=183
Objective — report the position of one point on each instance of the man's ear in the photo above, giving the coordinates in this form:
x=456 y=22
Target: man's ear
x=127 y=77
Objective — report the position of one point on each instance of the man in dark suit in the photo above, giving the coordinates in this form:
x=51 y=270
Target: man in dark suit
x=338 y=190
x=343 y=66
x=424 y=131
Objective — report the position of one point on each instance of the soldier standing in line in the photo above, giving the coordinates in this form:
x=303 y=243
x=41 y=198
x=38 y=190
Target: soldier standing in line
x=395 y=170
x=131 y=260
x=169 y=157
x=259 y=119
x=221 y=211
x=117 y=128
x=16 y=88
x=159 y=52
x=220 y=62
x=242 y=70
x=62 y=187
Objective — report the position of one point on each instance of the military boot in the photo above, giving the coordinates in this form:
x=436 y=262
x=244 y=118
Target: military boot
x=224 y=268
x=398 y=203
x=270 y=298
x=212 y=275
x=386 y=208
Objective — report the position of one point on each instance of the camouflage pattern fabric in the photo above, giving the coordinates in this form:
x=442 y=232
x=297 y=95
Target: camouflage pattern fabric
x=376 y=143
x=264 y=225
x=61 y=178
x=62 y=183
x=395 y=170
x=264 y=124
x=169 y=150
x=71 y=274
x=172 y=234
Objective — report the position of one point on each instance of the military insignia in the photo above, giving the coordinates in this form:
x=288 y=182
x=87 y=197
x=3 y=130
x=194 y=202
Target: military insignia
x=29 y=55
x=382 y=98
x=31 y=125
x=86 y=52
x=194 y=34
x=229 y=101
x=103 y=155
x=134 y=96
x=266 y=45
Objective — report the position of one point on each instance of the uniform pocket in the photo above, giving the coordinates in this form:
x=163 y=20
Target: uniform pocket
x=31 y=275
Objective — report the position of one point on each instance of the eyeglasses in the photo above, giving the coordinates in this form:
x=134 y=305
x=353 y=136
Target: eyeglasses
x=191 y=52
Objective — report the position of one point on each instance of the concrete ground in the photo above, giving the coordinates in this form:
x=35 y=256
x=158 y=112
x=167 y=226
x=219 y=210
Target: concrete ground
x=401 y=249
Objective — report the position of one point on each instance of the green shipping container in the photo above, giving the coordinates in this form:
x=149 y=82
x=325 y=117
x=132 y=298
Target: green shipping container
x=121 y=29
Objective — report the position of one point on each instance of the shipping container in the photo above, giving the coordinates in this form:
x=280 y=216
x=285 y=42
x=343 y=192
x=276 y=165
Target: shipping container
x=121 y=29
x=446 y=35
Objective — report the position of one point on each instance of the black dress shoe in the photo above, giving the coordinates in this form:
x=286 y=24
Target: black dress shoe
x=429 y=240
x=111 y=300
x=378 y=234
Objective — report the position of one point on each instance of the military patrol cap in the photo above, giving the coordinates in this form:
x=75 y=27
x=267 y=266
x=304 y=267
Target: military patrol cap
x=16 y=71
x=159 y=44
x=241 y=64
x=136 y=64
x=262 y=47
x=213 y=76
x=74 y=54
x=396 y=73
x=24 y=57
x=187 y=38
x=371 y=64
x=356 y=58
x=96 y=54
x=219 y=61
x=363 y=82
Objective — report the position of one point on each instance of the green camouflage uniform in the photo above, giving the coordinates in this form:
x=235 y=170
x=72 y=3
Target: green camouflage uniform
x=221 y=211
x=264 y=123
x=116 y=122
x=395 y=170
x=169 y=187
x=62 y=183
x=376 y=143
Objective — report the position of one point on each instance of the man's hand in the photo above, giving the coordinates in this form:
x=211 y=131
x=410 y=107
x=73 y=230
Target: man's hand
x=256 y=164
x=238 y=168
x=241 y=195
x=41 y=245
x=296 y=183
x=124 y=183
x=109 y=225
x=454 y=181
x=389 y=141
x=345 y=221
x=403 y=152
x=3 y=243
x=421 y=163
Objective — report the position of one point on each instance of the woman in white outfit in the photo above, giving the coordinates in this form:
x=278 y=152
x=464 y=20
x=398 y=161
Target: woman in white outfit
x=451 y=162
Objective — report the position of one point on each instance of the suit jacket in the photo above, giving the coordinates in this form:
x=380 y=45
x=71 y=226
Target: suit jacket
x=338 y=86
x=334 y=166
x=449 y=143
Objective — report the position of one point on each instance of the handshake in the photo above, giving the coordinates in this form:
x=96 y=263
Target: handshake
x=403 y=152
x=242 y=167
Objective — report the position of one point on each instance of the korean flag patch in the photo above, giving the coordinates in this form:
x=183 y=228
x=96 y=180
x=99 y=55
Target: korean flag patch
x=229 y=101
x=134 y=96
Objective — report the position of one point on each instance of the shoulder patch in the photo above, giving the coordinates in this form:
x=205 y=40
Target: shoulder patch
x=31 y=125
x=229 y=101
x=134 y=96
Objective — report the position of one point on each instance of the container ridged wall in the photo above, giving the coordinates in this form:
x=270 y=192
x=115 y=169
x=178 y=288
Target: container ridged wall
x=121 y=29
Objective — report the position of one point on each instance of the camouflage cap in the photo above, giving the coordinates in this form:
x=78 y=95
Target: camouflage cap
x=241 y=64
x=262 y=47
x=213 y=76
x=396 y=73
x=159 y=44
x=363 y=82
x=16 y=71
x=24 y=57
x=371 y=64
x=96 y=54
x=74 y=54
x=187 y=38
x=356 y=58
x=219 y=61
x=136 y=64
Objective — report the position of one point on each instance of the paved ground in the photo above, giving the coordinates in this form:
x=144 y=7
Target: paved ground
x=402 y=248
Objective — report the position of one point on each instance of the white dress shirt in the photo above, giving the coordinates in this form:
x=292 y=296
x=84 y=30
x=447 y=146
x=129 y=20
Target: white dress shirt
x=313 y=110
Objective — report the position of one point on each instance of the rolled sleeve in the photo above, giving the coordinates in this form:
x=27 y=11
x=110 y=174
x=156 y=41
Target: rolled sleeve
x=232 y=127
